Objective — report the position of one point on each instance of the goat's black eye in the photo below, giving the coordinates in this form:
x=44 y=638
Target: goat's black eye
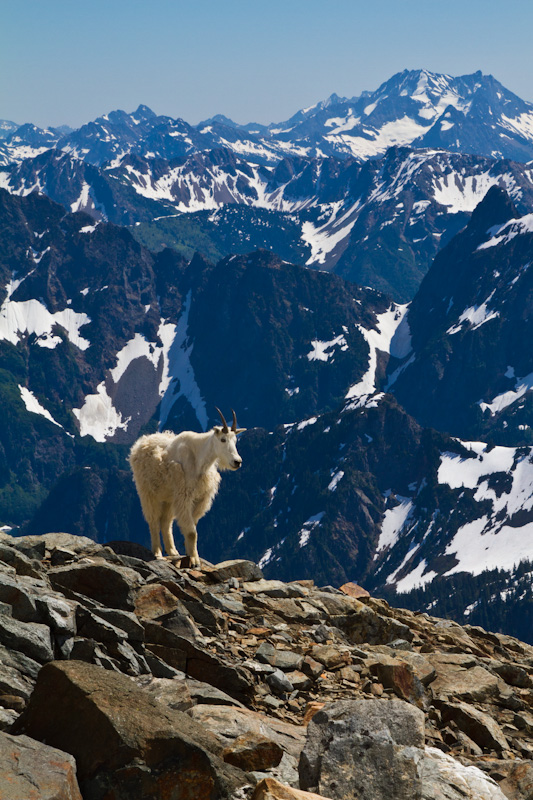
x=222 y=440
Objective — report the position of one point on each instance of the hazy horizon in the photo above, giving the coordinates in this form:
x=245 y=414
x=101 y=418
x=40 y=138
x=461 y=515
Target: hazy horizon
x=66 y=63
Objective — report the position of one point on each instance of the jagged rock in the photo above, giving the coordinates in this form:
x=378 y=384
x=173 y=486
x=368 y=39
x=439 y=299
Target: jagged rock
x=198 y=662
x=125 y=621
x=154 y=600
x=275 y=588
x=19 y=662
x=514 y=675
x=237 y=568
x=477 y=725
x=354 y=590
x=227 y=723
x=231 y=605
x=107 y=583
x=253 y=751
x=368 y=627
x=279 y=682
x=21 y=599
x=454 y=680
x=445 y=778
x=271 y=789
x=58 y=613
x=136 y=746
x=364 y=748
x=281 y=659
x=515 y=778
x=50 y=541
x=400 y=677
x=330 y=656
x=20 y=562
x=92 y=627
x=30 y=770
x=183 y=693
x=13 y=682
x=31 y=638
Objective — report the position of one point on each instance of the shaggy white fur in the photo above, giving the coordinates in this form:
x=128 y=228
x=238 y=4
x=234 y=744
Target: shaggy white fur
x=177 y=478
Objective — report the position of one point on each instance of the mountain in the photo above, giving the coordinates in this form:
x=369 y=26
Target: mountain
x=471 y=369
x=7 y=127
x=101 y=340
x=379 y=223
x=471 y=114
x=468 y=114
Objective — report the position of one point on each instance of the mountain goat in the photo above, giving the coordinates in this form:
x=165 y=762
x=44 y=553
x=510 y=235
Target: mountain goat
x=177 y=478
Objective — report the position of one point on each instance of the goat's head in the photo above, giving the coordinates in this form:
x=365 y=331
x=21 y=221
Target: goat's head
x=226 y=443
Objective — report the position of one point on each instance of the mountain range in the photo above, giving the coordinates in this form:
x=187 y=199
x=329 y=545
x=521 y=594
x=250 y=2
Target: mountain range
x=369 y=318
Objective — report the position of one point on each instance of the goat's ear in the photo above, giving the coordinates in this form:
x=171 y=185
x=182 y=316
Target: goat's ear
x=217 y=429
x=240 y=430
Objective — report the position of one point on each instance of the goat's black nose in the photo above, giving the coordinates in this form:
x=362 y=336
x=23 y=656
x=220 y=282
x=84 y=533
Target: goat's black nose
x=237 y=464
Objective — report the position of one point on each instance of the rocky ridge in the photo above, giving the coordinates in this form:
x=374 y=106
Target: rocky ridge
x=221 y=684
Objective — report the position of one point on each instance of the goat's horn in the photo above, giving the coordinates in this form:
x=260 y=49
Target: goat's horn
x=224 y=423
x=234 y=426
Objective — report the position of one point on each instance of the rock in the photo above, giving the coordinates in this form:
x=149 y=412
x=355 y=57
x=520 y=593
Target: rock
x=231 y=605
x=330 y=655
x=30 y=638
x=366 y=749
x=453 y=680
x=109 y=584
x=70 y=541
x=183 y=693
x=28 y=667
x=198 y=662
x=367 y=626
x=271 y=789
x=125 y=621
x=312 y=668
x=298 y=679
x=12 y=701
x=58 y=613
x=311 y=709
x=20 y=562
x=154 y=600
x=247 y=570
x=92 y=627
x=253 y=751
x=401 y=678
x=354 y=590
x=279 y=682
x=281 y=659
x=514 y=675
x=136 y=746
x=445 y=778
x=22 y=601
x=275 y=589
x=515 y=778
x=481 y=728
x=34 y=771
x=229 y=723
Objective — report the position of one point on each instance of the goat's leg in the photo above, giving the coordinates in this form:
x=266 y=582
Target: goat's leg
x=153 y=524
x=190 y=535
x=166 y=531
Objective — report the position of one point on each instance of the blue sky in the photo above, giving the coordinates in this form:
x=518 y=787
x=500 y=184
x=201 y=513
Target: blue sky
x=68 y=61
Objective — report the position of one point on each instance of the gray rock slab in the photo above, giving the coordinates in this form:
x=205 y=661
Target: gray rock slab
x=364 y=748
x=445 y=778
x=30 y=638
x=34 y=770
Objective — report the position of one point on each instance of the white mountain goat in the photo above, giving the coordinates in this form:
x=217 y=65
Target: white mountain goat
x=177 y=478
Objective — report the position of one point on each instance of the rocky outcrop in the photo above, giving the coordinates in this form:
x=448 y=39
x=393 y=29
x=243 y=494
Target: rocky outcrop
x=221 y=684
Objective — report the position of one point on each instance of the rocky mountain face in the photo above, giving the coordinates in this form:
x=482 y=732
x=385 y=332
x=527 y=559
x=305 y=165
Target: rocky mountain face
x=471 y=325
x=218 y=683
x=467 y=114
x=379 y=223
x=101 y=340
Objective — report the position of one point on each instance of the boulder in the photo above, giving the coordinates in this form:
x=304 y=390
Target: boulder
x=481 y=728
x=30 y=770
x=237 y=568
x=281 y=659
x=107 y=583
x=366 y=749
x=474 y=683
x=136 y=745
x=229 y=723
x=515 y=778
x=253 y=751
x=30 y=638
x=271 y=789
x=354 y=590
x=154 y=600
x=445 y=778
